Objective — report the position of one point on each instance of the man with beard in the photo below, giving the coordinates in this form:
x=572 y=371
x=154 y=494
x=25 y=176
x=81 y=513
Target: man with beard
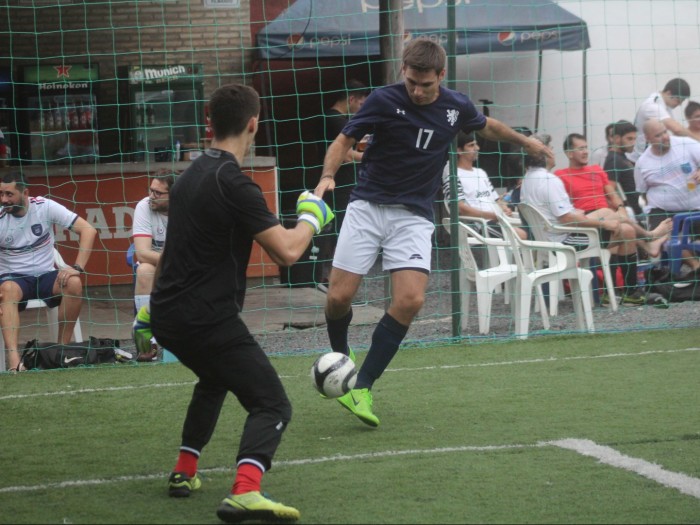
x=668 y=175
x=27 y=261
x=150 y=224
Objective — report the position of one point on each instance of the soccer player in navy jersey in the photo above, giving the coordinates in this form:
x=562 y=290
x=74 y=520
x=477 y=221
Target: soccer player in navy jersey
x=413 y=124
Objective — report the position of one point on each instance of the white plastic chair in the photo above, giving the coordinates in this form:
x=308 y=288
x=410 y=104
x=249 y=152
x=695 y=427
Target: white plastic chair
x=484 y=281
x=562 y=265
x=51 y=316
x=494 y=256
x=541 y=226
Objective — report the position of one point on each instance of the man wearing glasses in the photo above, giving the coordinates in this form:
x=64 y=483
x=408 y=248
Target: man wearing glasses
x=150 y=223
x=660 y=105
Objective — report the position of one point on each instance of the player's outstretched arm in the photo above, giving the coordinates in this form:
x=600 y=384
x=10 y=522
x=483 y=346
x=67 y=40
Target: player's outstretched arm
x=285 y=246
x=335 y=156
x=498 y=131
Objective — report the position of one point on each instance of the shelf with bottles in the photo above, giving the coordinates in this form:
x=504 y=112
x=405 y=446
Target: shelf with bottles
x=70 y=114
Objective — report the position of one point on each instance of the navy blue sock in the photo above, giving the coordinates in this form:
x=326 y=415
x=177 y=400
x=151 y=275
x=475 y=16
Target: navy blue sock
x=338 y=332
x=386 y=339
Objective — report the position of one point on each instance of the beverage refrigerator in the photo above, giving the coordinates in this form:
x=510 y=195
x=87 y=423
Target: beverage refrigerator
x=166 y=111
x=57 y=114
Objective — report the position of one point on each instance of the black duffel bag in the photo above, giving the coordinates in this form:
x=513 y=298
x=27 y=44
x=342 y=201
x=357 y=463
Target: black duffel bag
x=95 y=351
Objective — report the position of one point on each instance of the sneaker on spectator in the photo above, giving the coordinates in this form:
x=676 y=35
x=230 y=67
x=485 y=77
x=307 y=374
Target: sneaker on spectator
x=605 y=299
x=636 y=298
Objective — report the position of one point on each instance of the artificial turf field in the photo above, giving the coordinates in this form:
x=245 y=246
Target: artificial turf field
x=577 y=429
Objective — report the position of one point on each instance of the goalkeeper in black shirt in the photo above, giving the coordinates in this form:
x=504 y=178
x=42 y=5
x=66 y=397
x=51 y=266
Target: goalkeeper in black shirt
x=216 y=213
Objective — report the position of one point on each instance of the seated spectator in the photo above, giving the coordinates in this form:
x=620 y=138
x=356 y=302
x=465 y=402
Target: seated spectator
x=27 y=268
x=547 y=192
x=475 y=193
x=150 y=225
x=618 y=166
x=591 y=191
x=668 y=174
x=692 y=115
x=599 y=155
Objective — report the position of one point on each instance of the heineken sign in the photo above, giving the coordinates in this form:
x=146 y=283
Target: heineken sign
x=61 y=76
x=163 y=74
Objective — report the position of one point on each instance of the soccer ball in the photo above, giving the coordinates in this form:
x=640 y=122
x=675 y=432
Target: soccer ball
x=333 y=374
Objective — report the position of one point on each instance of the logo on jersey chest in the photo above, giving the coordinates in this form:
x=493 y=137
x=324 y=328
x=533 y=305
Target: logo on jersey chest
x=452 y=116
x=37 y=229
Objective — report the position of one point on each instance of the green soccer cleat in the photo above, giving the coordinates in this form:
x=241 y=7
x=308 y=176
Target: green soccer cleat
x=254 y=506
x=180 y=484
x=359 y=402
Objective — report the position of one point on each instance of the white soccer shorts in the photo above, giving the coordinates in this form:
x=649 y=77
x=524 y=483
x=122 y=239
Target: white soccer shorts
x=404 y=238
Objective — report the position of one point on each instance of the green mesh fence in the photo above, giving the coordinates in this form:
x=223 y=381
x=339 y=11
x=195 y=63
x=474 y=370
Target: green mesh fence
x=97 y=95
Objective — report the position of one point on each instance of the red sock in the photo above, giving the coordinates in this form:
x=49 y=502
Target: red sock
x=248 y=478
x=187 y=463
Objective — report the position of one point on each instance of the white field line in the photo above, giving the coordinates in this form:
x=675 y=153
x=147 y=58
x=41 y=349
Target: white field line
x=277 y=464
x=609 y=456
x=681 y=482
x=416 y=369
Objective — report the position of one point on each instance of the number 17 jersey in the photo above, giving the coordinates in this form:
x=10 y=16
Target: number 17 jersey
x=403 y=163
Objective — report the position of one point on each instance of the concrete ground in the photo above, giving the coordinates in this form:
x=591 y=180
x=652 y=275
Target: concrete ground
x=109 y=312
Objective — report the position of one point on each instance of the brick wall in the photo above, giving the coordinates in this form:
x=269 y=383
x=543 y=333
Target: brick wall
x=127 y=33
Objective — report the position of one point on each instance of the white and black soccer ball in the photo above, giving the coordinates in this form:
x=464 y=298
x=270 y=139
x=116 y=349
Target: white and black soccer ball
x=333 y=374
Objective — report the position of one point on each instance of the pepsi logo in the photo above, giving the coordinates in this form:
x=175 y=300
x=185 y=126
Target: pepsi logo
x=506 y=38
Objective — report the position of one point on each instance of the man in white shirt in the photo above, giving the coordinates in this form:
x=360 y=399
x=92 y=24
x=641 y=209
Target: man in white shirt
x=668 y=174
x=660 y=105
x=546 y=192
x=475 y=193
x=27 y=268
x=150 y=225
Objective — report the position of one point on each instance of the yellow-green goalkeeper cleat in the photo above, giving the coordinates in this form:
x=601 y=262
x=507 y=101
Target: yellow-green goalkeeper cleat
x=180 y=484
x=254 y=506
x=359 y=402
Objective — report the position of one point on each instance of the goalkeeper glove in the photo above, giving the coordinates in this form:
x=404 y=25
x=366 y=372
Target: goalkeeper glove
x=314 y=211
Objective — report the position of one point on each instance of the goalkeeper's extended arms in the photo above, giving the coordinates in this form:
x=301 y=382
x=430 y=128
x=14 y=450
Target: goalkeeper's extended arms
x=313 y=211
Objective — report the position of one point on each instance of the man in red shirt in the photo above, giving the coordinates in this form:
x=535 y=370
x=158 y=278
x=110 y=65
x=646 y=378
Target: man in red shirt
x=590 y=190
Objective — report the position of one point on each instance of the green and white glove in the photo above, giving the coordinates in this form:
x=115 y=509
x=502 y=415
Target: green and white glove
x=314 y=211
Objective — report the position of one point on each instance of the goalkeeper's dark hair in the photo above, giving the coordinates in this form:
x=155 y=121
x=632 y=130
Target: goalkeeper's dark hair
x=230 y=108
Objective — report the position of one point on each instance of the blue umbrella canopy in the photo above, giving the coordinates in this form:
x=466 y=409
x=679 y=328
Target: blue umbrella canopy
x=350 y=28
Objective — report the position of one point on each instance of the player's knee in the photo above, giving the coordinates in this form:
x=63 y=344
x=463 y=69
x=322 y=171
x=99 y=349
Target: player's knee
x=11 y=292
x=337 y=301
x=73 y=288
x=410 y=305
